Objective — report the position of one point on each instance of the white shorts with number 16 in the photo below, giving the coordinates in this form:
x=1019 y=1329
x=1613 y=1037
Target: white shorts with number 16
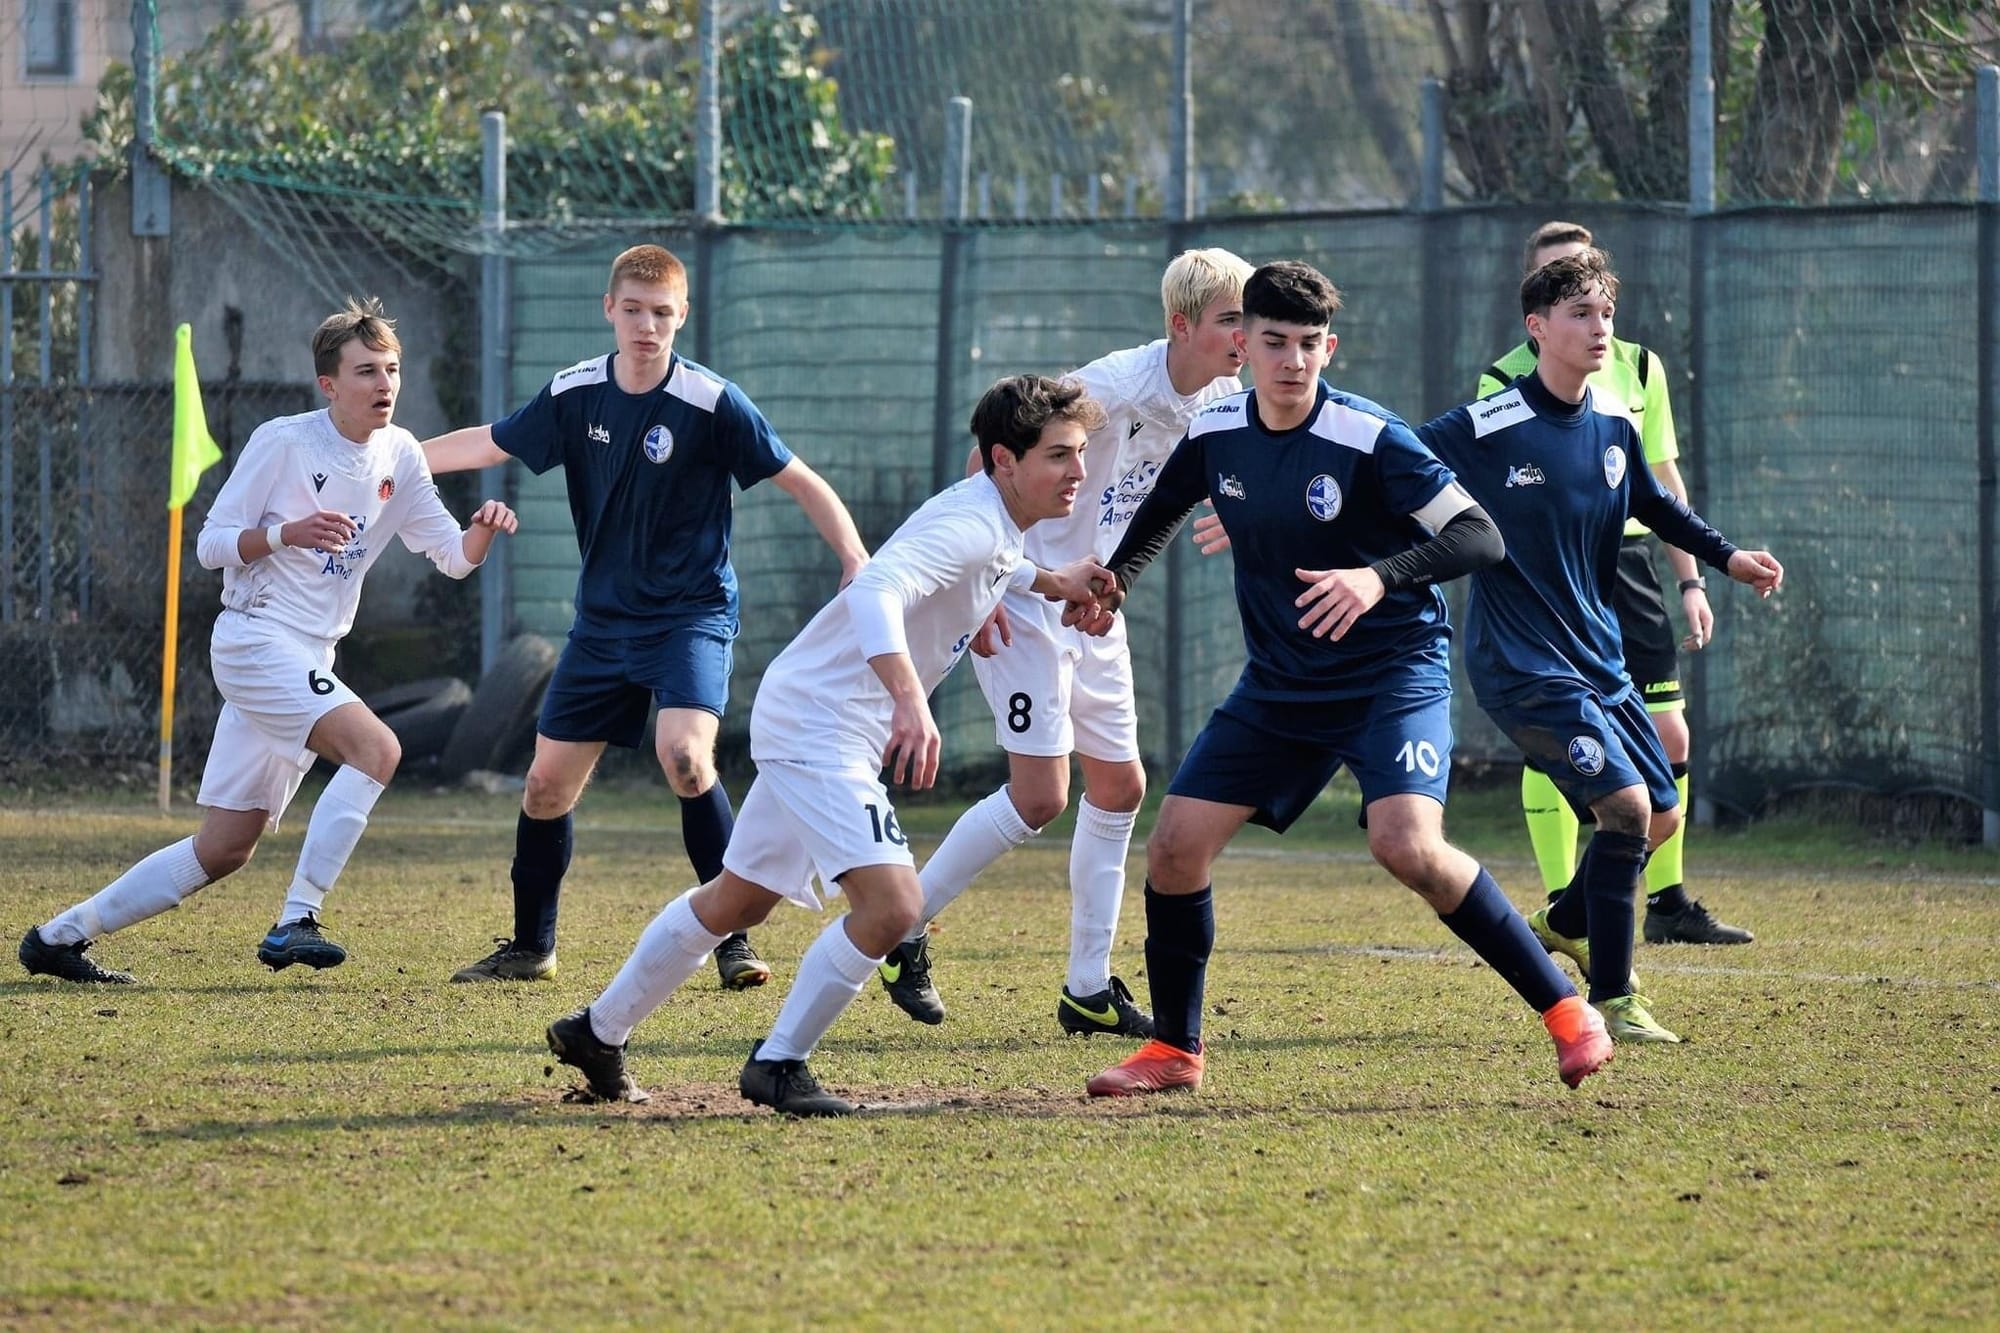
x=800 y=820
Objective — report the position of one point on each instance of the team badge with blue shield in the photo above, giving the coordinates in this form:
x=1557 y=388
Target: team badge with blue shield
x=1586 y=756
x=659 y=444
x=1614 y=466
x=1323 y=498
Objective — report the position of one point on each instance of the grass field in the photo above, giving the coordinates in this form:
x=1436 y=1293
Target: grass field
x=1382 y=1140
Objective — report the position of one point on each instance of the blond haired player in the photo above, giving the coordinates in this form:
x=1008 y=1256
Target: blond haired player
x=306 y=512
x=1054 y=690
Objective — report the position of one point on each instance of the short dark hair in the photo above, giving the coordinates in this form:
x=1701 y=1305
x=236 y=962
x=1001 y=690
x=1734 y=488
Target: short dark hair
x=1552 y=233
x=362 y=320
x=1290 y=292
x=1015 y=411
x=1566 y=279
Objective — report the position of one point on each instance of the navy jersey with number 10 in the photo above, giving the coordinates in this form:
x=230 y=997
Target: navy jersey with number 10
x=1338 y=492
x=648 y=477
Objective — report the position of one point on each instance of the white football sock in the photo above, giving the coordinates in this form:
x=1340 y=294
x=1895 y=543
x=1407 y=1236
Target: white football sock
x=668 y=952
x=157 y=884
x=1096 y=889
x=982 y=835
x=831 y=974
x=337 y=823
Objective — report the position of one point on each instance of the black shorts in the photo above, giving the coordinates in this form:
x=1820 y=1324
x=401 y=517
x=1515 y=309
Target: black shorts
x=1652 y=654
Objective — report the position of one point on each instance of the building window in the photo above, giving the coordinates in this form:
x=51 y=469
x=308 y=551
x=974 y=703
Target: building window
x=51 y=39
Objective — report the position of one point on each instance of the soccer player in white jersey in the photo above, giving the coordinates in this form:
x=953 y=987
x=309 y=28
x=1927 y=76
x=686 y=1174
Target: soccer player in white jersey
x=305 y=514
x=847 y=698
x=1054 y=690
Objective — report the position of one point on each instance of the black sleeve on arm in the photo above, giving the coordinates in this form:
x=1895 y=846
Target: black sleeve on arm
x=1178 y=490
x=1467 y=542
x=1677 y=525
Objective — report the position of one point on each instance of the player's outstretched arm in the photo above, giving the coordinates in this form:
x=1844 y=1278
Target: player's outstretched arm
x=488 y=521
x=828 y=515
x=463 y=450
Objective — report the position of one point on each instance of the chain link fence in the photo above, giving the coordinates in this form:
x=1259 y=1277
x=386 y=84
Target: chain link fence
x=849 y=298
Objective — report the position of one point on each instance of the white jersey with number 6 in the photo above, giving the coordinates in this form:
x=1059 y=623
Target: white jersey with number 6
x=937 y=578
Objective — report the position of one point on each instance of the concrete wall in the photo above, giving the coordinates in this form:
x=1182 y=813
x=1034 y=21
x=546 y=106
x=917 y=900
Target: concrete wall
x=215 y=270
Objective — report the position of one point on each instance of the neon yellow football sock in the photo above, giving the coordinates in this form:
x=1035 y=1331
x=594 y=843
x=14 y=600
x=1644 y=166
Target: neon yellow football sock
x=1552 y=827
x=1664 y=871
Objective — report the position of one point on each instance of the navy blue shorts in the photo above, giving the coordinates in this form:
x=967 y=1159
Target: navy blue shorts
x=1589 y=749
x=1276 y=758
x=603 y=688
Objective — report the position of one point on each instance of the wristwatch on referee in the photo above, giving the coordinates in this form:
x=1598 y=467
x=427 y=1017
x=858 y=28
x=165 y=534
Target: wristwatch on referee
x=1696 y=583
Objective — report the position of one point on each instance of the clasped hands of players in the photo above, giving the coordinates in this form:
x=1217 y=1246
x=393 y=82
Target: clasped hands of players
x=914 y=747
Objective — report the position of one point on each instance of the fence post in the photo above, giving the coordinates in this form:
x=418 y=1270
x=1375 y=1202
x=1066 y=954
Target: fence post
x=1701 y=108
x=1180 y=212
x=708 y=119
x=947 y=448
x=495 y=330
x=1701 y=213
x=7 y=610
x=1180 y=128
x=152 y=201
x=1989 y=447
x=1437 y=319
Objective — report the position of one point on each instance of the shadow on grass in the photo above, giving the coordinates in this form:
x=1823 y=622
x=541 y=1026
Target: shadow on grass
x=363 y=1054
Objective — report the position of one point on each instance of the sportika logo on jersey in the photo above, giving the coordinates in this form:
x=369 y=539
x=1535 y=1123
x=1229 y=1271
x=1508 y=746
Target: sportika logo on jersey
x=1614 y=466
x=1229 y=488
x=597 y=434
x=1323 y=498
x=659 y=444
x=1526 y=475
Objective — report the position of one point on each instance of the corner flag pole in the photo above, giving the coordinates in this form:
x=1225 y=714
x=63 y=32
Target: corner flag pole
x=194 y=453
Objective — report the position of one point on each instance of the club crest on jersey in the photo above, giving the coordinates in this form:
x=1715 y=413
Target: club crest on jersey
x=1323 y=498
x=659 y=444
x=1525 y=475
x=1614 y=466
x=1228 y=487
x=385 y=488
x=1586 y=755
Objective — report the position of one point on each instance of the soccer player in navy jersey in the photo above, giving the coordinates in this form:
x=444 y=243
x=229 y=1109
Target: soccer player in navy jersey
x=1560 y=467
x=1342 y=524
x=649 y=443
x=1637 y=377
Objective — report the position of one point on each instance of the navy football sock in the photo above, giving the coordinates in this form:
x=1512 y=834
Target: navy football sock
x=1616 y=861
x=1500 y=935
x=1180 y=935
x=706 y=823
x=541 y=859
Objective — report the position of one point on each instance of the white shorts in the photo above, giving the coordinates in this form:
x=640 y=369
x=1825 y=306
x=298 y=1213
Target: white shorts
x=1055 y=691
x=275 y=686
x=799 y=820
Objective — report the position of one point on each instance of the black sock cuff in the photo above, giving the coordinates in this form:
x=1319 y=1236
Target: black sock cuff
x=1680 y=771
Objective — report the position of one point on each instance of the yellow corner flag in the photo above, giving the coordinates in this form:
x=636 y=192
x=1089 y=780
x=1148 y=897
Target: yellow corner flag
x=194 y=449
x=194 y=454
